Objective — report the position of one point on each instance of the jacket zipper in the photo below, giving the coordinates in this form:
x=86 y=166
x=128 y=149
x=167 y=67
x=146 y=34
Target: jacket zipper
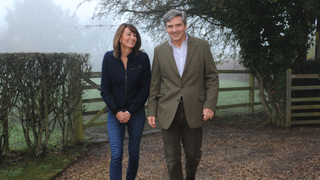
x=126 y=79
x=136 y=67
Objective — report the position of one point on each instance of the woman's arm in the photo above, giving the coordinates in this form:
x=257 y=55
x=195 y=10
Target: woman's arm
x=106 y=83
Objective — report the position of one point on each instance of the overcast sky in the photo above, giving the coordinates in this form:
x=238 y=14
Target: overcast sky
x=85 y=13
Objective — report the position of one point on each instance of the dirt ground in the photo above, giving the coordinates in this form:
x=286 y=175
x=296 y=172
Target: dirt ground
x=231 y=150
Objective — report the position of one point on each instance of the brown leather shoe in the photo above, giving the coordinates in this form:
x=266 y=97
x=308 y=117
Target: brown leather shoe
x=189 y=178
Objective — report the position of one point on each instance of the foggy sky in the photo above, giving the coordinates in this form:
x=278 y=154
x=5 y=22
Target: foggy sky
x=39 y=32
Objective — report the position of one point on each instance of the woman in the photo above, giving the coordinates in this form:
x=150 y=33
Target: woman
x=125 y=85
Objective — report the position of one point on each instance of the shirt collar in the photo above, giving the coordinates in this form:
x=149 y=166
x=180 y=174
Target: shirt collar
x=185 y=41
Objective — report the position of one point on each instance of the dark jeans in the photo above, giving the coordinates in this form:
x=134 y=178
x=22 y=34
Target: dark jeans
x=116 y=132
x=191 y=140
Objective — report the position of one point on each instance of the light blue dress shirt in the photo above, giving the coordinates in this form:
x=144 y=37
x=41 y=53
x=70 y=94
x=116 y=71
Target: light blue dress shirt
x=180 y=54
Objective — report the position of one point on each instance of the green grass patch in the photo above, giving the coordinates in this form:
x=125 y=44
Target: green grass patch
x=19 y=165
x=17 y=139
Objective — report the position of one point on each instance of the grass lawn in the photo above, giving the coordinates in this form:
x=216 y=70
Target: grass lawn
x=19 y=165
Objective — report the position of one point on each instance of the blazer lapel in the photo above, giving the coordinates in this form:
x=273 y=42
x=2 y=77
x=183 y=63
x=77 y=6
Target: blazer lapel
x=192 y=46
x=168 y=51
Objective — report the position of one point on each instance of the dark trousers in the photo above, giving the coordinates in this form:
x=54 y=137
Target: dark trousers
x=191 y=140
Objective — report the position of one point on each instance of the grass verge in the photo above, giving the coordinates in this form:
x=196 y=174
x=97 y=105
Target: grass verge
x=19 y=165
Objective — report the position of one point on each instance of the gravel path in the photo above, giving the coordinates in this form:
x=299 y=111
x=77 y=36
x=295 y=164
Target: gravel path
x=228 y=153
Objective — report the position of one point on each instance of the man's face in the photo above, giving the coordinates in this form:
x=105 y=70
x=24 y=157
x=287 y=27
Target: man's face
x=176 y=29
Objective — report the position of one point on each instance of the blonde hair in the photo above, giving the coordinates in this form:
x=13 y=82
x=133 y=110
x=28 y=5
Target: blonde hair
x=117 y=36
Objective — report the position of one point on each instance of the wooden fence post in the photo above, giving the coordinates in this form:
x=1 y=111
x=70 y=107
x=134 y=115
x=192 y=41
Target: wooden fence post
x=76 y=99
x=251 y=94
x=317 y=49
x=288 y=100
x=78 y=119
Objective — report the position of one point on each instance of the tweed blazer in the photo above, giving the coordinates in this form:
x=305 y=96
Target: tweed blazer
x=198 y=85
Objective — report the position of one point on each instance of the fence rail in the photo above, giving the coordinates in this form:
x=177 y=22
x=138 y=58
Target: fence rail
x=250 y=88
x=98 y=113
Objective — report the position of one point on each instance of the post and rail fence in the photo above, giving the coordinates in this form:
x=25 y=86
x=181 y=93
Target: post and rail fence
x=96 y=114
x=294 y=105
x=289 y=100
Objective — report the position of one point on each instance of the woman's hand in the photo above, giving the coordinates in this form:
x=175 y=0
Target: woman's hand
x=123 y=117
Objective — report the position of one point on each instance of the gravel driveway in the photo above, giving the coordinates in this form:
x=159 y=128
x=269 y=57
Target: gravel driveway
x=228 y=153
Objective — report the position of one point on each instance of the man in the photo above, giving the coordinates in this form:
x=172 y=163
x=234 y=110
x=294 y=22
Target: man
x=183 y=94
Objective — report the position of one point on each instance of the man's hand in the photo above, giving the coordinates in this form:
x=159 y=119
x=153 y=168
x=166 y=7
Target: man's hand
x=123 y=117
x=152 y=121
x=207 y=114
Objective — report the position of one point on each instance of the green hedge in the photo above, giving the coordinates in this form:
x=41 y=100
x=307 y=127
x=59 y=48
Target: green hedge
x=44 y=89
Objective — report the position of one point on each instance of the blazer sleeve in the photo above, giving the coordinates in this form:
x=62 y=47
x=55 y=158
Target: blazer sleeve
x=154 y=86
x=211 y=80
x=106 y=85
x=143 y=94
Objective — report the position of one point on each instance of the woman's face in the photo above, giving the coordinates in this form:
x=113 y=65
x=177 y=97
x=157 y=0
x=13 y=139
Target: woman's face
x=128 y=39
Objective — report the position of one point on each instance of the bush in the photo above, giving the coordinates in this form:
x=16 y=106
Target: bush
x=47 y=88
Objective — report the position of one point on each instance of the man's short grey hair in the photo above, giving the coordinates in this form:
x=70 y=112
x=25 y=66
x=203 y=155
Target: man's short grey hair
x=174 y=13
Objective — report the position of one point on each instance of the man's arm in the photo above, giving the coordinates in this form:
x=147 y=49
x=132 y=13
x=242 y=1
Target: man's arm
x=212 y=84
x=154 y=90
